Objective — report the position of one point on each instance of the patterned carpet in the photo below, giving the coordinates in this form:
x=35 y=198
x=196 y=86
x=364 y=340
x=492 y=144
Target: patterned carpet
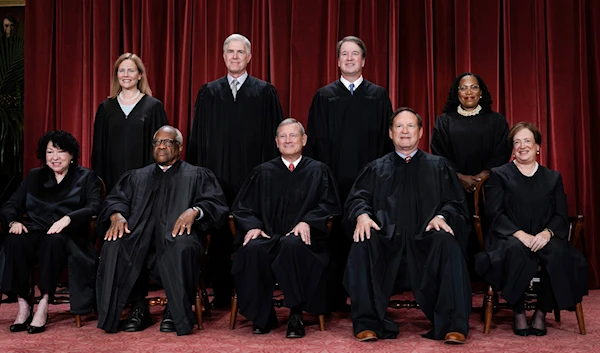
x=62 y=336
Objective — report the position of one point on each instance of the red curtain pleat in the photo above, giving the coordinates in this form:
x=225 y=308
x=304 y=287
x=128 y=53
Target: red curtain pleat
x=540 y=60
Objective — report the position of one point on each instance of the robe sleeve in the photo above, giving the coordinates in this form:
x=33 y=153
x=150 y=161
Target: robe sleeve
x=80 y=217
x=14 y=208
x=211 y=199
x=244 y=206
x=119 y=200
x=500 y=224
x=453 y=205
x=385 y=112
x=559 y=223
x=204 y=105
x=360 y=199
x=98 y=143
x=502 y=149
x=440 y=140
x=317 y=130
x=273 y=116
x=329 y=204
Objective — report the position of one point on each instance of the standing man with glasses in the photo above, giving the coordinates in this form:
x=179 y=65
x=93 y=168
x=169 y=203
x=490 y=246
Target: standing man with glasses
x=235 y=119
x=152 y=222
x=347 y=125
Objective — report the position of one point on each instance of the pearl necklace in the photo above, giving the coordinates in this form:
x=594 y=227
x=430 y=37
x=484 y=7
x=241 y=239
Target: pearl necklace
x=464 y=112
x=129 y=99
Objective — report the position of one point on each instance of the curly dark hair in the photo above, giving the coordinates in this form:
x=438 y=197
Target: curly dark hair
x=452 y=102
x=60 y=139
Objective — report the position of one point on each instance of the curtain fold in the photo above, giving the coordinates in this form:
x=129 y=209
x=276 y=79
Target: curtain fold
x=540 y=60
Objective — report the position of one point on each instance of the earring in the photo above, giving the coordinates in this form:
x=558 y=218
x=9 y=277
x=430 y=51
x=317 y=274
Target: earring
x=514 y=156
x=538 y=152
x=480 y=96
x=71 y=161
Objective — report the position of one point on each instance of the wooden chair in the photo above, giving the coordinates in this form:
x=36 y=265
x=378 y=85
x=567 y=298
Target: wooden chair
x=491 y=300
x=277 y=299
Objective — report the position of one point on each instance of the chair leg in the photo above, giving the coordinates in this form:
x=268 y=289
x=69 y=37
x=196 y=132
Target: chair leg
x=322 y=322
x=489 y=308
x=234 y=310
x=556 y=315
x=580 y=322
x=78 y=321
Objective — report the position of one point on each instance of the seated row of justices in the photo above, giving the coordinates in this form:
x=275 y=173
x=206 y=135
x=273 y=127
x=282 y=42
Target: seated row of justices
x=406 y=208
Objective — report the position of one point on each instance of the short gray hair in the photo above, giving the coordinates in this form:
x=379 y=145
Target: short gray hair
x=178 y=135
x=237 y=37
x=290 y=121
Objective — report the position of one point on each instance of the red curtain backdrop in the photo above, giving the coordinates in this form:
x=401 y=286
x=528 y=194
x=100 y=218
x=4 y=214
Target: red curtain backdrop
x=540 y=59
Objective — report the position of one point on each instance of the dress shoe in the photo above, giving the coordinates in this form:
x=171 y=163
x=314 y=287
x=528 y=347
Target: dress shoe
x=38 y=329
x=537 y=331
x=455 y=338
x=366 y=336
x=295 y=327
x=139 y=319
x=167 y=324
x=271 y=324
x=23 y=326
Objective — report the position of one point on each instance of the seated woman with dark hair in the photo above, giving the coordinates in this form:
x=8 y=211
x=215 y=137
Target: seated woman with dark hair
x=47 y=219
x=526 y=209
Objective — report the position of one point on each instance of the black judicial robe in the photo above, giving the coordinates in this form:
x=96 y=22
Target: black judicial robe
x=276 y=200
x=123 y=143
x=402 y=198
x=471 y=143
x=348 y=131
x=151 y=200
x=232 y=137
x=45 y=202
x=518 y=202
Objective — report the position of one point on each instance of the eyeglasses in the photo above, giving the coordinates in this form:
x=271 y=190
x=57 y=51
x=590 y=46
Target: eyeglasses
x=465 y=88
x=167 y=142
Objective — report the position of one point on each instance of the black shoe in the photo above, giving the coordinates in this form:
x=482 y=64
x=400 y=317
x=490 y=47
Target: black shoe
x=38 y=329
x=138 y=320
x=271 y=324
x=538 y=331
x=167 y=324
x=295 y=327
x=23 y=326
x=521 y=332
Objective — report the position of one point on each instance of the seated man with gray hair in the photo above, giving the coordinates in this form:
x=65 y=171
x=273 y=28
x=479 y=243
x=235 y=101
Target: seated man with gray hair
x=152 y=221
x=281 y=216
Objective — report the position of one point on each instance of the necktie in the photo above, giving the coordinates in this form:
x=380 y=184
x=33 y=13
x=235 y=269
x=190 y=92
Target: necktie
x=234 y=84
x=407 y=159
x=291 y=167
x=352 y=88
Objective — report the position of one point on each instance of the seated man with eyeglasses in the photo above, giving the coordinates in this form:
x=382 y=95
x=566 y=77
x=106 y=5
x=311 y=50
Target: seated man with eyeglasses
x=152 y=221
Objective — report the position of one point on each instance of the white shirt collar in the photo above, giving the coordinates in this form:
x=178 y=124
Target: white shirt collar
x=240 y=79
x=403 y=156
x=164 y=168
x=347 y=83
x=295 y=163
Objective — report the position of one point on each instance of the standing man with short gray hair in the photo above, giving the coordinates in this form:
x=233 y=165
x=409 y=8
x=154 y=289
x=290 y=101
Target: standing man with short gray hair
x=235 y=119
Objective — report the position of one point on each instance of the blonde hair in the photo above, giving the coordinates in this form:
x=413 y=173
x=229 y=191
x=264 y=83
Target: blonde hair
x=143 y=86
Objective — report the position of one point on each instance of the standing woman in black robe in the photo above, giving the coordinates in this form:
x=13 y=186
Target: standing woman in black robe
x=125 y=122
x=59 y=200
x=472 y=137
x=526 y=207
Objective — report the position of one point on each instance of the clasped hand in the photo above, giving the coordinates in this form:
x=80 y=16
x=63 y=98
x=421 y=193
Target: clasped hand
x=534 y=243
